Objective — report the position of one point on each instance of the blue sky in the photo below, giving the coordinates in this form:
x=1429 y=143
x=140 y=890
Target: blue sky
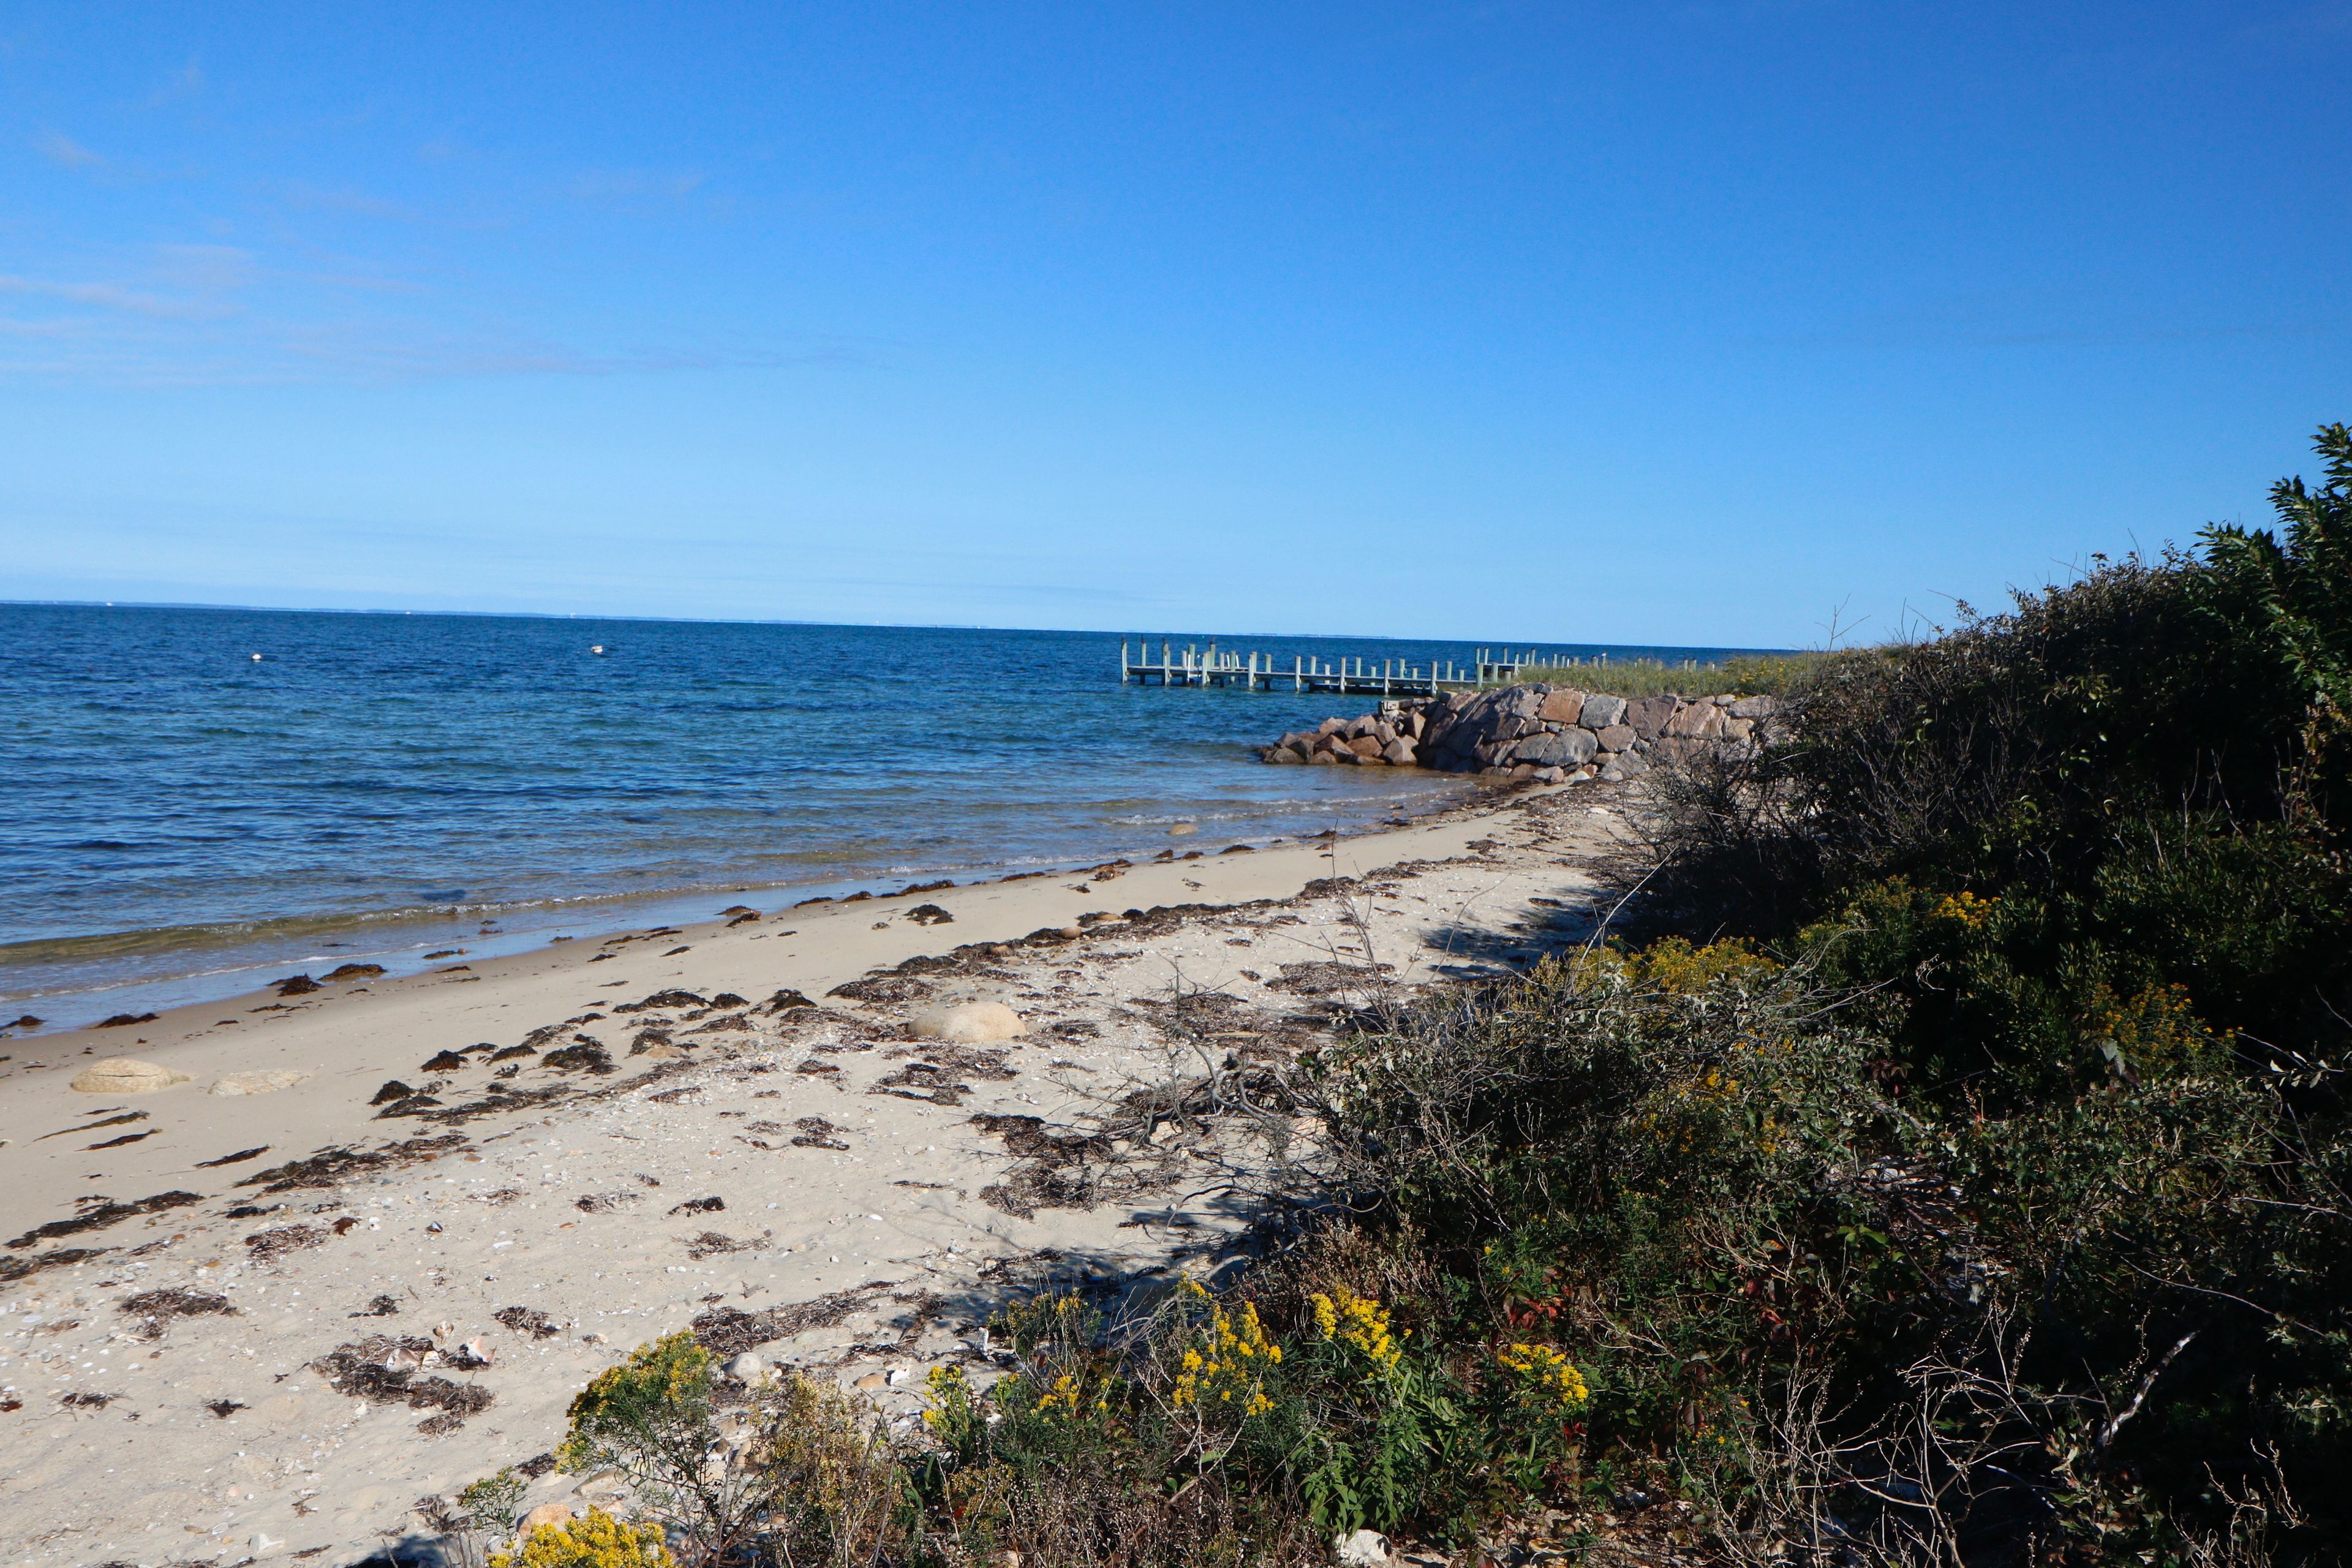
x=1685 y=323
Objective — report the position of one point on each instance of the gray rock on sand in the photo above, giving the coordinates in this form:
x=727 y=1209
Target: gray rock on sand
x=746 y=1367
x=971 y=1024
x=124 y=1075
x=258 y=1082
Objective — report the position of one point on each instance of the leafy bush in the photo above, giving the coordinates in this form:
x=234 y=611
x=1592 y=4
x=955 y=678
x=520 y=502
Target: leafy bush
x=799 y=1472
x=2078 y=872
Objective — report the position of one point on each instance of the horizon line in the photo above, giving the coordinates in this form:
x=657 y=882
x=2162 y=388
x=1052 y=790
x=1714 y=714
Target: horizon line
x=855 y=626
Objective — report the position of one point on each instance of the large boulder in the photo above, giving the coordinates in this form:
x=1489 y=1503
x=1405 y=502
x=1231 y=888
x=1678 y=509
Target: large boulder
x=1366 y=747
x=124 y=1075
x=1503 y=714
x=1398 y=752
x=1755 y=706
x=1650 y=715
x=1617 y=738
x=1600 y=711
x=1569 y=748
x=1440 y=719
x=1565 y=705
x=1698 y=721
x=1525 y=702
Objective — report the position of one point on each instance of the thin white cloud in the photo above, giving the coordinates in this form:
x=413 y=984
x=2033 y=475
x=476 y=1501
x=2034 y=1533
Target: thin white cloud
x=177 y=284
x=260 y=350
x=105 y=295
x=60 y=148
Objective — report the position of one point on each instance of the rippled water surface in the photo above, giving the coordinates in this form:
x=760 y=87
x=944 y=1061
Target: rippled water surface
x=176 y=815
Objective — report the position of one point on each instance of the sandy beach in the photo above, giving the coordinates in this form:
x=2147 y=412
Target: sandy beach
x=280 y=1323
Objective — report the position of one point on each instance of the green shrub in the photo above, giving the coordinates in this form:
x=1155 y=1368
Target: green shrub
x=799 y=1472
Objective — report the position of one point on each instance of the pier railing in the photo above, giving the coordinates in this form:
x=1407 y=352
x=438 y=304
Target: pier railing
x=1211 y=666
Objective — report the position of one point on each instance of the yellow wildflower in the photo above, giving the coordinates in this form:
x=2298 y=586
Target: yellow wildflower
x=1358 y=1321
x=1235 y=1362
x=1965 y=908
x=1064 y=1393
x=599 y=1541
x=1544 y=1371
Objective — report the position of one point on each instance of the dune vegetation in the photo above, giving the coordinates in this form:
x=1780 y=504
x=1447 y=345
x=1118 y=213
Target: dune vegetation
x=1949 y=1165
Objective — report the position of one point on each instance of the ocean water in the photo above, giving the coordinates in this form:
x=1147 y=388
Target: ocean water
x=180 y=821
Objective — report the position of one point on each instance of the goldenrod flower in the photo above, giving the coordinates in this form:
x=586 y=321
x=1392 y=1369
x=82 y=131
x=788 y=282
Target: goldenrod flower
x=1358 y=1321
x=1544 y=1371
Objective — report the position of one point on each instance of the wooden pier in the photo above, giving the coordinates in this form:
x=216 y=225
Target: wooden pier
x=1213 y=665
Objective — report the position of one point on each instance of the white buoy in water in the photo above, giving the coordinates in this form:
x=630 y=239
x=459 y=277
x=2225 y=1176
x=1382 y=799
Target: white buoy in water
x=594 y=648
x=256 y=659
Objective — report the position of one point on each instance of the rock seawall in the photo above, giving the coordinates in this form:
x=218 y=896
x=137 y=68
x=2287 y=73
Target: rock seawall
x=1547 y=733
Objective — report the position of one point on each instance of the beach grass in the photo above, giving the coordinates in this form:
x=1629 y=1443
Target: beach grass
x=1747 y=674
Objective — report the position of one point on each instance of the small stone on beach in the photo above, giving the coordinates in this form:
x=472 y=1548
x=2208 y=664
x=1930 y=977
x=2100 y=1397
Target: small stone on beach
x=124 y=1075
x=971 y=1023
x=240 y=1083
